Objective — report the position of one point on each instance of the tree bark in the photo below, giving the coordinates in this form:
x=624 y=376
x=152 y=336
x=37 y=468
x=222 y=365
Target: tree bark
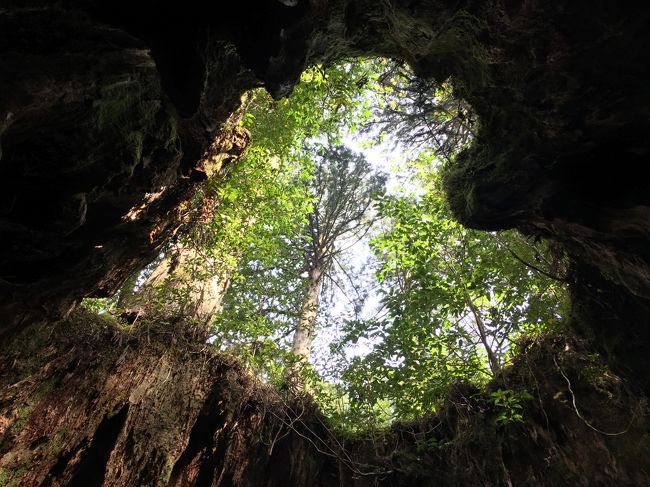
x=185 y=283
x=112 y=408
x=105 y=406
x=304 y=334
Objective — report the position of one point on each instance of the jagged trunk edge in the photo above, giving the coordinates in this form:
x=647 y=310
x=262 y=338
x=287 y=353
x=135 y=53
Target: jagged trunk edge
x=109 y=406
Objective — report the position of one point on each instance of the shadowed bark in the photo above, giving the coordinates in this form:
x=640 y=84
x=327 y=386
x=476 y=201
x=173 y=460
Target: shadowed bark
x=111 y=115
x=105 y=405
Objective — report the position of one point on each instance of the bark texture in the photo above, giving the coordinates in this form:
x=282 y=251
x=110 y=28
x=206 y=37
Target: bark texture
x=94 y=403
x=304 y=334
x=99 y=154
x=108 y=121
x=111 y=114
x=105 y=406
x=184 y=283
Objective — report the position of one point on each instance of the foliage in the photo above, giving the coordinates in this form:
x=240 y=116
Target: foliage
x=297 y=136
x=509 y=405
x=99 y=305
x=419 y=113
x=453 y=298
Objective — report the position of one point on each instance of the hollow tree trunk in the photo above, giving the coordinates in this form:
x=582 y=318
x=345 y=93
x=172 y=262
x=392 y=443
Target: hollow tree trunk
x=99 y=97
x=115 y=106
x=109 y=408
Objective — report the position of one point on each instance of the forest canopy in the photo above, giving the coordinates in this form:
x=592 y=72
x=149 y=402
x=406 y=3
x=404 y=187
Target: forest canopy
x=328 y=259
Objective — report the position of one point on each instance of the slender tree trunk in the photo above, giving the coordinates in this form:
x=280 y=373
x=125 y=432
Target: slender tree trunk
x=493 y=360
x=304 y=334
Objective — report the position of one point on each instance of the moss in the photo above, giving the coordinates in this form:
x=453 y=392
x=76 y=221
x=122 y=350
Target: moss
x=21 y=417
x=118 y=104
x=125 y=117
x=167 y=470
x=173 y=142
x=113 y=112
x=136 y=141
x=12 y=477
x=57 y=441
x=468 y=58
x=459 y=186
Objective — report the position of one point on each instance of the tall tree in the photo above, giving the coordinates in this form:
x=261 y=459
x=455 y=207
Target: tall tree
x=343 y=188
x=252 y=203
x=269 y=292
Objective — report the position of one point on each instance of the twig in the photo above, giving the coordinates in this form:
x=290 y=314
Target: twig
x=533 y=267
x=347 y=461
